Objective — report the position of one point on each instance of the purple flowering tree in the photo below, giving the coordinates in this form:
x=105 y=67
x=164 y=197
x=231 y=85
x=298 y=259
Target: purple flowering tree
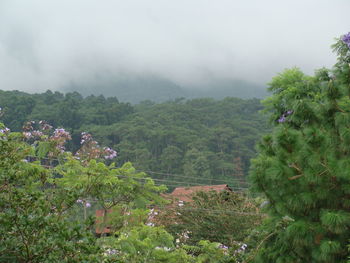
x=90 y=149
x=50 y=143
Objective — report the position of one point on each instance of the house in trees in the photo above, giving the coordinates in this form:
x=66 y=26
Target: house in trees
x=185 y=194
x=178 y=198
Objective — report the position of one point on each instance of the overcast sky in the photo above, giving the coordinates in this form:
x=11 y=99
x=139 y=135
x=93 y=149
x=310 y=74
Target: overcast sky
x=45 y=44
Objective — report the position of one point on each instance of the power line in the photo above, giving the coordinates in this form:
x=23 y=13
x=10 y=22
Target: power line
x=154 y=179
x=161 y=173
x=222 y=211
x=171 y=181
x=199 y=178
x=233 y=188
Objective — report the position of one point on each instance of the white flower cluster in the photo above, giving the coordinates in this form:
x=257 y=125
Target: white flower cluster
x=61 y=133
x=3 y=133
x=111 y=252
x=151 y=215
x=163 y=248
x=241 y=249
x=109 y=153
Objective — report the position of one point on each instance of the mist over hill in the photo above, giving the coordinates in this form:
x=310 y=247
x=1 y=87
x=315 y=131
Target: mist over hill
x=137 y=88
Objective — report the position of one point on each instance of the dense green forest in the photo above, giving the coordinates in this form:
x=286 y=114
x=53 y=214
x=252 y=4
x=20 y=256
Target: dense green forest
x=199 y=141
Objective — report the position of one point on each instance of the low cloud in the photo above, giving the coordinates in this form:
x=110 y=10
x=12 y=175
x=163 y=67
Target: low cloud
x=49 y=44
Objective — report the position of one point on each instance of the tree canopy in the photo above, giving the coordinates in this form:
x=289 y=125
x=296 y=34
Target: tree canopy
x=303 y=165
x=205 y=141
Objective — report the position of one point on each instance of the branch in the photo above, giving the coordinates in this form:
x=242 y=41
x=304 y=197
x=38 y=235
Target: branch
x=295 y=177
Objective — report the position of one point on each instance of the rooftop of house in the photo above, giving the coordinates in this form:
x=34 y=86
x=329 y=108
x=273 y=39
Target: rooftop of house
x=100 y=229
x=185 y=193
x=180 y=194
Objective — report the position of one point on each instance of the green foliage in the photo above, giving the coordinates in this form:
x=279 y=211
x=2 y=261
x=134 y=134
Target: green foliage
x=145 y=244
x=109 y=185
x=200 y=138
x=38 y=206
x=154 y=244
x=38 y=203
x=33 y=224
x=303 y=166
x=224 y=217
x=207 y=252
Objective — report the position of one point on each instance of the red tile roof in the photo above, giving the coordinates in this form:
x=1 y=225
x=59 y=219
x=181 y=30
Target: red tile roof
x=99 y=220
x=186 y=193
x=180 y=193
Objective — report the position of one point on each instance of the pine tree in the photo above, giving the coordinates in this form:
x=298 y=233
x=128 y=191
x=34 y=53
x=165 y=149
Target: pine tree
x=303 y=167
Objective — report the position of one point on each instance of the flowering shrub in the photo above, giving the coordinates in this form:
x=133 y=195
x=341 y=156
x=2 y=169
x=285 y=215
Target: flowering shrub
x=34 y=224
x=284 y=116
x=346 y=39
x=52 y=143
x=90 y=149
x=37 y=202
x=4 y=132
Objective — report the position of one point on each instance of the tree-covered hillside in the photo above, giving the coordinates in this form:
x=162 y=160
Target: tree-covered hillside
x=199 y=141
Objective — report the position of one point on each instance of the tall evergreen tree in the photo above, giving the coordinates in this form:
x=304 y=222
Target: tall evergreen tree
x=303 y=167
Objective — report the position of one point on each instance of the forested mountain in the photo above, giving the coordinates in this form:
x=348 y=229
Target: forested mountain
x=199 y=141
x=136 y=88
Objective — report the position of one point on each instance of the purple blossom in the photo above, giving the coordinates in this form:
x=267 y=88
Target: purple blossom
x=60 y=147
x=3 y=133
x=28 y=126
x=241 y=249
x=284 y=115
x=5 y=130
x=222 y=246
x=45 y=126
x=27 y=135
x=85 y=203
x=85 y=137
x=111 y=251
x=61 y=133
x=31 y=134
x=346 y=39
x=109 y=153
x=37 y=133
x=282 y=119
x=61 y=136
